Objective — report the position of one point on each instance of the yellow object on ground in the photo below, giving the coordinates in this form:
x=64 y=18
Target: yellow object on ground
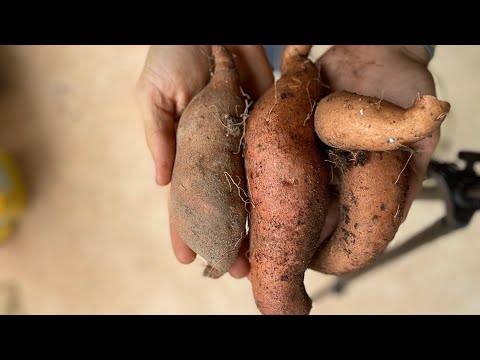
x=12 y=195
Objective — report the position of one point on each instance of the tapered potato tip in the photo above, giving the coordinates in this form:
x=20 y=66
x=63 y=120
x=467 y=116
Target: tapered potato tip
x=292 y=54
x=223 y=58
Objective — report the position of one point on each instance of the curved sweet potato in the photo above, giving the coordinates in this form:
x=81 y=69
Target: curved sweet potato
x=207 y=195
x=372 y=198
x=287 y=180
x=354 y=122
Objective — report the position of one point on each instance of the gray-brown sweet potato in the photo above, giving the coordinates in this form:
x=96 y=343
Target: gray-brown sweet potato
x=208 y=191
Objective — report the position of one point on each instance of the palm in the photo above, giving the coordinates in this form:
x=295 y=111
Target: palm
x=377 y=72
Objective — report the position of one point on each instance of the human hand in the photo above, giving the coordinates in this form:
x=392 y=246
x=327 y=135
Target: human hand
x=394 y=73
x=172 y=76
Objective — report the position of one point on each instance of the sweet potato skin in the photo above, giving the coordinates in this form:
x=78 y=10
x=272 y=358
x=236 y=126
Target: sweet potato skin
x=205 y=205
x=372 y=198
x=287 y=178
x=349 y=121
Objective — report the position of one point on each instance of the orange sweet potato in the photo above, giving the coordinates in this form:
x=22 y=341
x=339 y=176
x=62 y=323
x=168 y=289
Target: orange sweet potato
x=287 y=179
x=372 y=197
x=366 y=134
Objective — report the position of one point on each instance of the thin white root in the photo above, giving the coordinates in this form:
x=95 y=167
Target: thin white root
x=236 y=110
x=218 y=117
x=228 y=181
x=379 y=103
x=411 y=154
x=203 y=106
x=228 y=127
x=398 y=210
x=442 y=115
x=215 y=110
x=312 y=102
x=298 y=81
x=245 y=95
x=241 y=140
x=405 y=148
x=336 y=166
x=325 y=85
x=275 y=103
x=242 y=194
x=244 y=117
x=239 y=240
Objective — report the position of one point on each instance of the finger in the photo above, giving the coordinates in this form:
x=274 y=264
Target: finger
x=255 y=71
x=418 y=168
x=332 y=219
x=181 y=250
x=241 y=266
x=160 y=127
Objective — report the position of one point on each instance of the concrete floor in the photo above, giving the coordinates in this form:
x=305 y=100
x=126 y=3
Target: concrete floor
x=95 y=237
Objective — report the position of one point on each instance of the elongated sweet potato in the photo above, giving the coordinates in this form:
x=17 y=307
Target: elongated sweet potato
x=372 y=198
x=208 y=190
x=287 y=179
x=354 y=122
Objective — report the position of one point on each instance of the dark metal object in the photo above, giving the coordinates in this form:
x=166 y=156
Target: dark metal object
x=459 y=188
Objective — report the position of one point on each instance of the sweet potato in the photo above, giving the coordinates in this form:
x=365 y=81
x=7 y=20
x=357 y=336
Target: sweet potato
x=375 y=179
x=287 y=179
x=353 y=122
x=208 y=190
x=372 y=198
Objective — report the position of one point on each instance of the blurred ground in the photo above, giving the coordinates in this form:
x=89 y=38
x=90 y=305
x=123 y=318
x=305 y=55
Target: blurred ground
x=95 y=237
